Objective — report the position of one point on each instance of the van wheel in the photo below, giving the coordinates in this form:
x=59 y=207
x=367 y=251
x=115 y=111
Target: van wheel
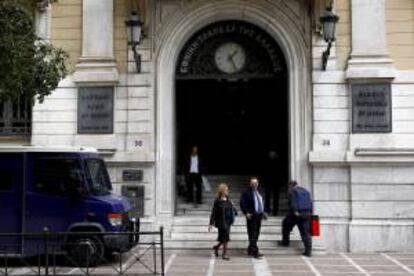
x=86 y=251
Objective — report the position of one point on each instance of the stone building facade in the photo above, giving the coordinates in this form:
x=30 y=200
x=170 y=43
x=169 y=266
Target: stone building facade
x=361 y=177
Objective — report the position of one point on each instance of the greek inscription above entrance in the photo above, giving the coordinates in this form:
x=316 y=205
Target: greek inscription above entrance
x=230 y=50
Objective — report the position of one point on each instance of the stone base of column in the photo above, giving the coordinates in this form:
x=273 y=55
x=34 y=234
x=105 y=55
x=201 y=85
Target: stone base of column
x=370 y=68
x=96 y=72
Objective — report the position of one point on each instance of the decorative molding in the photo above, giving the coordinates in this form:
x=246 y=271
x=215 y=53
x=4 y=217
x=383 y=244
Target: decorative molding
x=384 y=151
x=362 y=156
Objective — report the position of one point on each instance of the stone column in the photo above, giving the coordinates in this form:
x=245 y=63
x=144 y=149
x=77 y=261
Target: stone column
x=369 y=57
x=42 y=21
x=97 y=65
x=370 y=71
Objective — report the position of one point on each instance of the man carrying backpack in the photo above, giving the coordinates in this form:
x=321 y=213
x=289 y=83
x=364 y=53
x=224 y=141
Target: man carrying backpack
x=301 y=208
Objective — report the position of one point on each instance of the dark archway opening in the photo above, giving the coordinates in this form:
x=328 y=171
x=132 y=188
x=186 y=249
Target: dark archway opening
x=233 y=106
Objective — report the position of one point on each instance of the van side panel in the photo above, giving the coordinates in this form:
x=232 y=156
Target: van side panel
x=49 y=204
x=11 y=201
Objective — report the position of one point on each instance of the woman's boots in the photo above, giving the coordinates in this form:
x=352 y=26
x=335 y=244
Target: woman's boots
x=216 y=248
x=225 y=256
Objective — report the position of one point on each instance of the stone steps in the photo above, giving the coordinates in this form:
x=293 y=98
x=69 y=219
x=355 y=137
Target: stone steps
x=192 y=232
x=211 y=236
x=204 y=220
x=234 y=229
x=207 y=245
x=237 y=185
x=189 y=229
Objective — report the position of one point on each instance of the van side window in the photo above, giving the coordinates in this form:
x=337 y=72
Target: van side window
x=57 y=176
x=6 y=180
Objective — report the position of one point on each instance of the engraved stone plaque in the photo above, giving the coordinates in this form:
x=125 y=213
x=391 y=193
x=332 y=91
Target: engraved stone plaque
x=132 y=175
x=96 y=110
x=371 y=108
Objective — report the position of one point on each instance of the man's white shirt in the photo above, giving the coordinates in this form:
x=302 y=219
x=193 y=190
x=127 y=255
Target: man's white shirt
x=194 y=164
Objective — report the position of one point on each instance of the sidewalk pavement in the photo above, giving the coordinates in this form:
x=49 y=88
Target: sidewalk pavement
x=203 y=262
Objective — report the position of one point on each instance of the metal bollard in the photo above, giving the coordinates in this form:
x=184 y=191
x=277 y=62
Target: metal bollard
x=162 y=250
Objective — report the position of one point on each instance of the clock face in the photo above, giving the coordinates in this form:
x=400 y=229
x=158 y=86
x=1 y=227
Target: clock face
x=230 y=57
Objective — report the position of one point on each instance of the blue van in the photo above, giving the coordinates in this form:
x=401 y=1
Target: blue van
x=62 y=190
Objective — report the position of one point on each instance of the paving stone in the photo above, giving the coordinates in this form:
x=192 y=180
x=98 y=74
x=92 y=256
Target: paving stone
x=192 y=262
x=344 y=273
x=303 y=273
x=297 y=261
x=233 y=266
x=287 y=267
x=401 y=255
x=382 y=261
x=380 y=269
x=329 y=262
x=366 y=256
x=336 y=269
x=390 y=274
x=180 y=273
x=195 y=270
x=406 y=262
x=233 y=273
x=327 y=256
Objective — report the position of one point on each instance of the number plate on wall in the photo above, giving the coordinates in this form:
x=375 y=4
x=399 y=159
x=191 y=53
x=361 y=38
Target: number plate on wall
x=371 y=108
x=96 y=110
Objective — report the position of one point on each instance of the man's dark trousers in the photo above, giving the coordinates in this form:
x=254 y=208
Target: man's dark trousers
x=303 y=222
x=194 y=179
x=272 y=193
x=253 y=231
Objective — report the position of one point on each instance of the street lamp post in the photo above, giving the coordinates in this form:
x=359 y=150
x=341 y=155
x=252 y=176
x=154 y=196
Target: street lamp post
x=134 y=33
x=328 y=20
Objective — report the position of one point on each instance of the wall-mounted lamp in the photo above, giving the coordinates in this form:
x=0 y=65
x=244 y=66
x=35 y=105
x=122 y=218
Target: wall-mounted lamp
x=328 y=20
x=134 y=33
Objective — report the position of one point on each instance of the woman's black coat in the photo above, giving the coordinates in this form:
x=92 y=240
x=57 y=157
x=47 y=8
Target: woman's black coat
x=223 y=213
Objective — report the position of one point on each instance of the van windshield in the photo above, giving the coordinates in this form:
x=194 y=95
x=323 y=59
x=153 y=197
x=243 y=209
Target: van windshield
x=100 y=183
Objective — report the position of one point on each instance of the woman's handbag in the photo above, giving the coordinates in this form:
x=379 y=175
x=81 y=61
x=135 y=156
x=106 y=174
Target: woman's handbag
x=315 y=226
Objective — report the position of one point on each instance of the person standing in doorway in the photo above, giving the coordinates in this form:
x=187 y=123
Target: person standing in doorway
x=222 y=217
x=194 y=176
x=300 y=213
x=272 y=180
x=252 y=206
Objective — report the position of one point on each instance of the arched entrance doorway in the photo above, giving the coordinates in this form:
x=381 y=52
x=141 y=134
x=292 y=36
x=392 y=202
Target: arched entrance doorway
x=232 y=102
x=278 y=20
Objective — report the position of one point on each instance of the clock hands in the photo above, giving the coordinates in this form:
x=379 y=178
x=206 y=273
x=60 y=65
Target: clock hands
x=233 y=63
x=231 y=59
x=234 y=53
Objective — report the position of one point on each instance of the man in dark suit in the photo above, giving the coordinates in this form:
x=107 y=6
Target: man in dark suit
x=301 y=209
x=252 y=206
x=193 y=168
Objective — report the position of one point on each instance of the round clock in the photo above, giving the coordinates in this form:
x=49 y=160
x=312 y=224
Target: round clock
x=230 y=57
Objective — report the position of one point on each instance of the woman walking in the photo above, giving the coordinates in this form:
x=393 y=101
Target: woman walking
x=222 y=217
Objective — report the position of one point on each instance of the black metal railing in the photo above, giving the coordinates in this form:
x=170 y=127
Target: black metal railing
x=15 y=117
x=79 y=253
